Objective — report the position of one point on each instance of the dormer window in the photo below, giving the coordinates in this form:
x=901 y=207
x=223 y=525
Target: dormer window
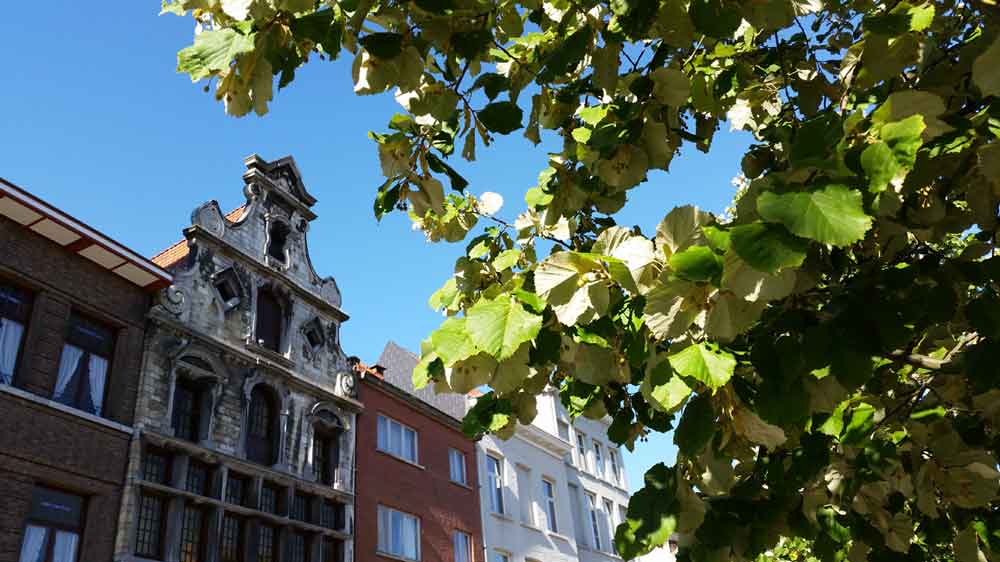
x=314 y=334
x=228 y=286
x=277 y=239
x=270 y=320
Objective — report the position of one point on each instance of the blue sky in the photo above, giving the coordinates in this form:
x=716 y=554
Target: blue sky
x=96 y=121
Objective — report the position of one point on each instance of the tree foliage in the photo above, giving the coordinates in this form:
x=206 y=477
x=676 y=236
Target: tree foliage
x=825 y=353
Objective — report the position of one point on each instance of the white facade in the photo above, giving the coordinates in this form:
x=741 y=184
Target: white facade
x=545 y=476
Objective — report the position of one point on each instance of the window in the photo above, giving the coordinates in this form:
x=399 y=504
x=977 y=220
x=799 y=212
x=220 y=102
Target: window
x=236 y=489
x=231 y=542
x=313 y=331
x=595 y=522
x=270 y=320
x=197 y=478
x=297 y=548
x=326 y=447
x=549 y=493
x=398 y=533
x=577 y=509
x=262 y=434
x=609 y=511
x=266 y=547
x=187 y=410
x=156 y=467
x=494 y=474
x=269 y=498
x=581 y=451
x=499 y=556
x=83 y=365
x=456 y=466
x=191 y=534
x=149 y=531
x=463 y=547
x=524 y=495
x=276 y=241
x=332 y=515
x=616 y=476
x=228 y=286
x=397 y=439
x=53 y=530
x=300 y=507
x=563 y=430
x=333 y=550
x=598 y=459
x=622 y=514
x=15 y=308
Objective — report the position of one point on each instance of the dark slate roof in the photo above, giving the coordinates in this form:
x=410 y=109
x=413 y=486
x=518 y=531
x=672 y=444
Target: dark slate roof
x=399 y=363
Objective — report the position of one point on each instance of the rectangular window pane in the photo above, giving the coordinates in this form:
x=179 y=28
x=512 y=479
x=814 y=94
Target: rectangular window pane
x=463 y=547
x=197 y=478
x=598 y=459
x=494 y=472
x=191 y=533
x=300 y=507
x=563 y=430
x=457 y=466
x=231 y=543
x=155 y=467
x=83 y=365
x=595 y=522
x=33 y=545
x=581 y=451
x=383 y=434
x=609 y=510
x=149 y=531
x=235 y=489
x=64 y=548
x=409 y=445
x=398 y=533
x=269 y=499
x=550 y=505
x=11 y=334
x=395 y=438
x=297 y=548
x=265 y=544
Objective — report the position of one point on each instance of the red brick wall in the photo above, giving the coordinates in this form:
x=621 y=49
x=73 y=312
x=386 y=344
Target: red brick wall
x=39 y=444
x=426 y=492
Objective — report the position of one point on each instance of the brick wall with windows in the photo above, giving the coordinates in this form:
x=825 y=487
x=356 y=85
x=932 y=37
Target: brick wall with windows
x=420 y=448
x=69 y=435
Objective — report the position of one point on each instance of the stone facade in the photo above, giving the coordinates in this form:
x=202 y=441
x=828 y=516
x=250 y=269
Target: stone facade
x=245 y=422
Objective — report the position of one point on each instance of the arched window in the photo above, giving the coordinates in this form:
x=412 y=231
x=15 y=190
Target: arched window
x=270 y=320
x=326 y=447
x=262 y=432
x=277 y=240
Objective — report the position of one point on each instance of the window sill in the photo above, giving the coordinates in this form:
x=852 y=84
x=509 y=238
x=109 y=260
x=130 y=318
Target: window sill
x=462 y=485
x=502 y=516
x=560 y=536
x=533 y=527
x=394 y=557
x=401 y=459
x=64 y=408
x=600 y=552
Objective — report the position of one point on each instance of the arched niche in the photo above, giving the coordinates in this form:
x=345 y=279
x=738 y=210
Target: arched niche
x=196 y=383
x=265 y=420
x=330 y=452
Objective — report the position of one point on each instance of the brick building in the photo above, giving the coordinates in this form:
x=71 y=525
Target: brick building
x=417 y=493
x=72 y=312
x=244 y=434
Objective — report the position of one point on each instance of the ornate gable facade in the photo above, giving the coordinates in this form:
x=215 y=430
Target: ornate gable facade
x=247 y=405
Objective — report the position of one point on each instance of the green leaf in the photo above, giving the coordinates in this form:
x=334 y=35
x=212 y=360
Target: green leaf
x=697 y=425
x=506 y=259
x=451 y=341
x=652 y=514
x=489 y=414
x=664 y=390
x=530 y=299
x=470 y=44
x=832 y=215
x=699 y=264
x=592 y=115
x=984 y=70
x=767 y=247
x=500 y=326
x=440 y=7
x=671 y=86
x=458 y=183
x=502 y=117
x=492 y=84
x=213 y=51
x=383 y=45
x=717 y=238
x=705 y=362
x=880 y=165
x=860 y=425
x=715 y=18
x=565 y=57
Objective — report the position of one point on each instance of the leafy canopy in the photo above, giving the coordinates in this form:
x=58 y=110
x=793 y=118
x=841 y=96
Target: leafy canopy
x=826 y=350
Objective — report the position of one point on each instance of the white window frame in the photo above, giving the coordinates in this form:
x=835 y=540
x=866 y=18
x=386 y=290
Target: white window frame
x=598 y=459
x=384 y=441
x=456 y=460
x=616 y=476
x=384 y=545
x=551 y=512
x=595 y=521
x=609 y=508
x=495 y=484
x=465 y=545
x=501 y=556
x=583 y=459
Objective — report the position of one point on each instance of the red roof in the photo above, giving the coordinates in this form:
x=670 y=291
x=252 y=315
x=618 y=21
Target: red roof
x=178 y=251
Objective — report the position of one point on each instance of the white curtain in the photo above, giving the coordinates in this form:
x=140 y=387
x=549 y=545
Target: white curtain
x=65 y=547
x=98 y=376
x=411 y=537
x=10 y=343
x=34 y=541
x=68 y=364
